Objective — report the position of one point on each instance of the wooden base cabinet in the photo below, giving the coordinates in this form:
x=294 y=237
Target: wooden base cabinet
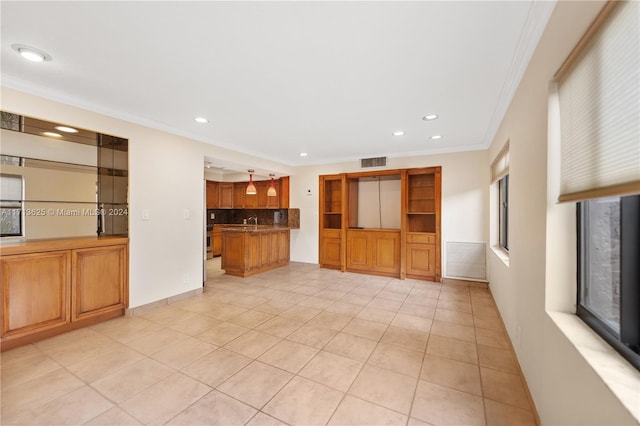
x=53 y=286
x=421 y=261
x=374 y=251
x=330 y=249
x=248 y=252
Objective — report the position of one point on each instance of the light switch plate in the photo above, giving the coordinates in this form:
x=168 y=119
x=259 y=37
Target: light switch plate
x=186 y=214
x=145 y=214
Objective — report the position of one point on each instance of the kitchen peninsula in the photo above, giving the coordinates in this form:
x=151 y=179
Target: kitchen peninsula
x=251 y=249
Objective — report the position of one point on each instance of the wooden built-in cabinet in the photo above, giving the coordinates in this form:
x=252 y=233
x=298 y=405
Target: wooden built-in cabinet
x=413 y=251
x=216 y=240
x=227 y=195
x=53 y=286
x=246 y=253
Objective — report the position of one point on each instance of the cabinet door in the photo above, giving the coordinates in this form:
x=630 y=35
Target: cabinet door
x=283 y=246
x=212 y=195
x=274 y=202
x=421 y=260
x=99 y=281
x=239 y=190
x=386 y=248
x=265 y=249
x=330 y=252
x=251 y=200
x=253 y=251
x=35 y=292
x=359 y=250
x=226 y=195
x=262 y=187
x=217 y=244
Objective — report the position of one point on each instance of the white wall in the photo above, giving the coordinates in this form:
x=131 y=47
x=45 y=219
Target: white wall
x=166 y=176
x=465 y=189
x=566 y=390
x=379 y=204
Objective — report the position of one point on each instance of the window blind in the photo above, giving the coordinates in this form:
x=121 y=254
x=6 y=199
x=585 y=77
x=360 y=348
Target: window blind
x=10 y=190
x=500 y=166
x=599 y=92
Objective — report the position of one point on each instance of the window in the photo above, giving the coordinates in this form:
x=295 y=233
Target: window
x=609 y=271
x=503 y=215
x=11 y=212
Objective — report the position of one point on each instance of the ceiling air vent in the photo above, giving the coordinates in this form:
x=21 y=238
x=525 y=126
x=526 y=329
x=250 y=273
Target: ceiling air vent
x=373 y=162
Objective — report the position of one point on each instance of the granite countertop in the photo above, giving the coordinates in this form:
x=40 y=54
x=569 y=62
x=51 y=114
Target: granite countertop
x=252 y=228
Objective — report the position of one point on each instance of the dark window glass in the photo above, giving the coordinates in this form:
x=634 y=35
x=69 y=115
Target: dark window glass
x=609 y=271
x=503 y=188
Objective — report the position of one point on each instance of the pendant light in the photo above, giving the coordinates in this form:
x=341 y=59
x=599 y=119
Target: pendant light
x=271 y=192
x=251 y=188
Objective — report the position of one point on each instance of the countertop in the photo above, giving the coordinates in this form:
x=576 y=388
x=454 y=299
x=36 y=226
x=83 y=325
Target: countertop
x=252 y=228
x=53 y=244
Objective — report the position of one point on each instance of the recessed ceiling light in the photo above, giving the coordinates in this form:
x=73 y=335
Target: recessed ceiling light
x=201 y=120
x=31 y=53
x=66 y=129
x=52 y=134
x=303 y=154
x=436 y=137
x=398 y=133
x=429 y=117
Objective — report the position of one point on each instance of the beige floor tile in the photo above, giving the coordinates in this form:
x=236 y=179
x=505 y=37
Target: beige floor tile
x=168 y=315
x=443 y=406
x=356 y=299
x=314 y=336
x=454 y=331
x=180 y=354
x=316 y=302
x=247 y=300
x=256 y=384
x=498 y=359
x=412 y=323
x=496 y=339
x=250 y=319
x=485 y=311
x=288 y=355
x=452 y=305
x=222 y=333
x=395 y=358
x=262 y=419
x=454 y=316
x=215 y=408
x=490 y=323
x=253 y=343
x=453 y=374
x=400 y=286
x=355 y=411
x=274 y=307
x=366 y=290
x=216 y=367
x=280 y=326
x=504 y=387
x=415 y=299
x=303 y=402
x=417 y=310
x=128 y=381
x=126 y=329
x=75 y=346
x=332 y=370
x=300 y=313
x=499 y=414
x=330 y=320
x=195 y=325
x=416 y=422
x=225 y=311
x=353 y=347
x=157 y=340
x=114 y=416
x=331 y=294
x=364 y=328
x=37 y=392
x=385 y=304
x=377 y=315
x=74 y=408
x=384 y=387
x=19 y=355
x=163 y=400
x=392 y=295
x=452 y=349
x=307 y=290
x=344 y=308
x=430 y=291
x=410 y=339
x=35 y=364
x=92 y=369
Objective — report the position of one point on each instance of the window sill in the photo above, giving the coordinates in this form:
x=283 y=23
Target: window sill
x=617 y=374
x=501 y=254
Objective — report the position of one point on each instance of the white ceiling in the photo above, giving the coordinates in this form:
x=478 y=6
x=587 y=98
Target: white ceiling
x=333 y=79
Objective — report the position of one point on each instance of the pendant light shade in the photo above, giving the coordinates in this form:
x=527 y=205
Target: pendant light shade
x=271 y=192
x=251 y=188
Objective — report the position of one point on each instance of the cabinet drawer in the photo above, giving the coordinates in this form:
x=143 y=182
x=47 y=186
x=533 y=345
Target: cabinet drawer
x=421 y=238
x=331 y=233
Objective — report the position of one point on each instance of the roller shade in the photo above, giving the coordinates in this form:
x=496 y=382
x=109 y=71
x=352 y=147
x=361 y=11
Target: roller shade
x=500 y=166
x=599 y=92
x=10 y=190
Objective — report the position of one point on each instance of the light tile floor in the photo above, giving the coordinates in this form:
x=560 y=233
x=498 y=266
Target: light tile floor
x=298 y=345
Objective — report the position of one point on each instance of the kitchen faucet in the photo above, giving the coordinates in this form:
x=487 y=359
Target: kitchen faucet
x=255 y=218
